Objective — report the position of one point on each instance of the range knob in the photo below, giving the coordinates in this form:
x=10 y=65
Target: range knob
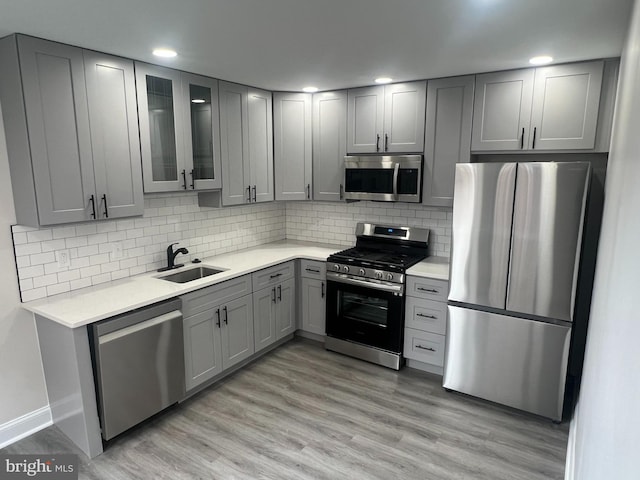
x=379 y=275
x=362 y=271
x=336 y=267
x=345 y=269
x=389 y=276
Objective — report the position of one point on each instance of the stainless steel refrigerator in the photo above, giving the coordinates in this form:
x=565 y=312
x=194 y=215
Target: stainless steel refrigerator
x=517 y=234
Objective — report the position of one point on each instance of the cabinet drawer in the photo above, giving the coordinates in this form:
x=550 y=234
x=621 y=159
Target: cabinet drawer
x=313 y=269
x=273 y=275
x=201 y=300
x=426 y=315
x=424 y=347
x=427 y=288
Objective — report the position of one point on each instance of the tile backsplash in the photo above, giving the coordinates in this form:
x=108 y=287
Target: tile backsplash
x=100 y=252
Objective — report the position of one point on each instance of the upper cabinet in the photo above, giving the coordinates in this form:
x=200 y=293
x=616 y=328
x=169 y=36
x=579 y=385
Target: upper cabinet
x=447 y=136
x=386 y=118
x=179 y=129
x=246 y=139
x=329 y=144
x=292 y=145
x=551 y=108
x=71 y=129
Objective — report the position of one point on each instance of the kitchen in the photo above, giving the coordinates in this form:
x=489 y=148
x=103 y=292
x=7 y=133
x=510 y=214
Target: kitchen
x=279 y=221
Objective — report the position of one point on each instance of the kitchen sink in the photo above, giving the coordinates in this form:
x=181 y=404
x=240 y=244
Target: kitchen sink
x=191 y=274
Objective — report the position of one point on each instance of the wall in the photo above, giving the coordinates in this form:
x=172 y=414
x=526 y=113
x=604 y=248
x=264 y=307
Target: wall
x=94 y=248
x=335 y=222
x=22 y=388
x=605 y=430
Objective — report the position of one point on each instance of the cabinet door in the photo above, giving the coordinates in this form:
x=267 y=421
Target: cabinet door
x=292 y=144
x=404 y=105
x=113 y=115
x=365 y=120
x=260 y=145
x=286 y=309
x=237 y=331
x=447 y=137
x=502 y=110
x=202 y=347
x=234 y=143
x=264 y=317
x=161 y=129
x=201 y=132
x=58 y=124
x=313 y=306
x=565 y=106
x=329 y=144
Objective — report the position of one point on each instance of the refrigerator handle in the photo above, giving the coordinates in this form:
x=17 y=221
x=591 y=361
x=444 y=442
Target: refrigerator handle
x=395 y=181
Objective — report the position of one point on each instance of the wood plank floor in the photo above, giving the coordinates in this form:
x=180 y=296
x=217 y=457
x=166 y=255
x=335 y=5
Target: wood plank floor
x=304 y=413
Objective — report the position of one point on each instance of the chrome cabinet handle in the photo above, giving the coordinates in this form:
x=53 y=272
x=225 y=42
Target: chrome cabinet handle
x=430 y=290
x=184 y=179
x=533 y=146
x=249 y=194
x=280 y=293
x=106 y=207
x=193 y=183
x=377 y=142
x=273 y=294
x=275 y=276
x=218 y=318
x=92 y=199
x=426 y=348
x=255 y=195
x=226 y=315
x=426 y=316
x=386 y=142
x=322 y=290
x=522 y=140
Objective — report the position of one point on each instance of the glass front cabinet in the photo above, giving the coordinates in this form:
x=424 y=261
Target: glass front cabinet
x=179 y=129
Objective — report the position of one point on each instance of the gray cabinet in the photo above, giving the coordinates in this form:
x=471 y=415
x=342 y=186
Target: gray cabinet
x=285 y=308
x=179 y=129
x=62 y=109
x=313 y=296
x=550 y=108
x=292 y=145
x=386 y=118
x=203 y=347
x=237 y=331
x=447 y=136
x=274 y=313
x=246 y=131
x=329 y=144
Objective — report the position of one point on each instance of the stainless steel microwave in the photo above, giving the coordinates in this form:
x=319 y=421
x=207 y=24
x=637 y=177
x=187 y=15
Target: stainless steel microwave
x=387 y=178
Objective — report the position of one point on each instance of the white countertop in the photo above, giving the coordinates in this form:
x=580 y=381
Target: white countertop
x=88 y=305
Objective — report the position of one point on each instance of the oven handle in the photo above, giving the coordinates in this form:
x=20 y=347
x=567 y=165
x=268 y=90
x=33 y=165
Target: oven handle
x=339 y=278
x=395 y=180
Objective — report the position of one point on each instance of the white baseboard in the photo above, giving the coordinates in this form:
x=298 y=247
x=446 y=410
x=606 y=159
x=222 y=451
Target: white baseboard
x=23 y=426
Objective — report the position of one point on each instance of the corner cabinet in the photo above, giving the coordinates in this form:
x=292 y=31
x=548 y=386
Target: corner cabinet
x=550 y=108
x=246 y=139
x=71 y=129
x=292 y=145
x=386 y=118
x=329 y=144
x=313 y=300
x=179 y=129
x=447 y=136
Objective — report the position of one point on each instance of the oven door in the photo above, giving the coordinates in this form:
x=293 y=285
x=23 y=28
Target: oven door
x=383 y=178
x=364 y=314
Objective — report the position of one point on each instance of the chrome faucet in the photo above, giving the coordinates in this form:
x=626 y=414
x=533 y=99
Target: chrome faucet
x=171 y=257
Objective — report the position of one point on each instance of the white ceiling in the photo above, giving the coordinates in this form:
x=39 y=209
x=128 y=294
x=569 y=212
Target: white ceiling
x=288 y=44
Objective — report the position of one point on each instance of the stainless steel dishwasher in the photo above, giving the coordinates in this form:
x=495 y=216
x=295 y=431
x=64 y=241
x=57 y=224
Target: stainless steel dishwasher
x=139 y=365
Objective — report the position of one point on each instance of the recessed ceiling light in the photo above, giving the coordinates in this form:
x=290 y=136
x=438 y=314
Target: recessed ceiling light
x=165 y=52
x=383 y=80
x=197 y=100
x=541 y=60
x=310 y=89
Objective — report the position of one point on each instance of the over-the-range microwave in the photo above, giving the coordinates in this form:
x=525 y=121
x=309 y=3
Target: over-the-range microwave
x=385 y=178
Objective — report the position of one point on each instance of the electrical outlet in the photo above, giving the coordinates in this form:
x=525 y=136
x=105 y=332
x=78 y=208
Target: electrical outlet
x=63 y=258
x=116 y=250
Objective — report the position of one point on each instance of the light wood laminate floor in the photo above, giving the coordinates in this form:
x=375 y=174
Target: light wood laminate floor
x=301 y=412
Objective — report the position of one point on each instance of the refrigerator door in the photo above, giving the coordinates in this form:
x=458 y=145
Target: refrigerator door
x=547 y=235
x=509 y=360
x=482 y=214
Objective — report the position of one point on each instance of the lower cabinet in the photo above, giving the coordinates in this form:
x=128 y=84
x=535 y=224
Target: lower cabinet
x=274 y=313
x=425 y=324
x=313 y=299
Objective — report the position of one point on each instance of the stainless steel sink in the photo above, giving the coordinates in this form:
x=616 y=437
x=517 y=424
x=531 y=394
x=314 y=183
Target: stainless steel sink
x=191 y=274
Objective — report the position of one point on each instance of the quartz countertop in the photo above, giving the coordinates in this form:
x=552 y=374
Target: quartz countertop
x=81 y=307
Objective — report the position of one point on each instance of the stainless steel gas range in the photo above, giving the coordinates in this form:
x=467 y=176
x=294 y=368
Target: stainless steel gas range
x=365 y=292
